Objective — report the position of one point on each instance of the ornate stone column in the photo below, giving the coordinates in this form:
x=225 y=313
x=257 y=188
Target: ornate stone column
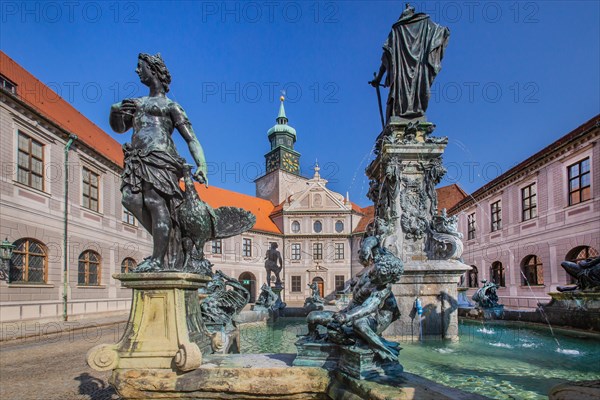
x=403 y=177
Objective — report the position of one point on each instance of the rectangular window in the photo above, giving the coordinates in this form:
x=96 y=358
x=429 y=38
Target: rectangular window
x=579 y=182
x=529 y=202
x=247 y=247
x=217 y=246
x=296 y=283
x=296 y=251
x=90 y=189
x=317 y=251
x=496 y=213
x=30 y=162
x=471 y=226
x=340 y=283
x=128 y=218
x=339 y=251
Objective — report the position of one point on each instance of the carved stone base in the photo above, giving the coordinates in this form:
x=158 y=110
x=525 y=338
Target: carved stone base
x=575 y=309
x=360 y=364
x=279 y=304
x=316 y=354
x=427 y=280
x=164 y=328
x=271 y=376
x=576 y=300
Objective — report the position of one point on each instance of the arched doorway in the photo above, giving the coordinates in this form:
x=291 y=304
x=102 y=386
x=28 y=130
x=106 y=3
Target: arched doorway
x=248 y=281
x=320 y=284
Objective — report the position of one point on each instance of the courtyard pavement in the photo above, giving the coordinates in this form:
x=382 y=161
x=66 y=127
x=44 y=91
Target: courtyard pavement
x=53 y=366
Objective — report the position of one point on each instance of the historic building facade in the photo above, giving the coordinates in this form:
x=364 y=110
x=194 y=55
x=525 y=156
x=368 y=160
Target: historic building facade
x=312 y=225
x=67 y=246
x=519 y=227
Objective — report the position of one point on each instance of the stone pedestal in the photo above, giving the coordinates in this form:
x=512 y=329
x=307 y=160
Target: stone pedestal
x=428 y=280
x=356 y=362
x=317 y=354
x=165 y=328
x=403 y=177
x=279 y=304
x=359 y=363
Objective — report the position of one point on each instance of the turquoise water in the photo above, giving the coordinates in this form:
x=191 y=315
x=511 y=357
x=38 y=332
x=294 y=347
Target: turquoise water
x=497 y=361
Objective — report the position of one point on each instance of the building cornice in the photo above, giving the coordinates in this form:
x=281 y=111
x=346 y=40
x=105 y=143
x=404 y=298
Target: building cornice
x=556 y=150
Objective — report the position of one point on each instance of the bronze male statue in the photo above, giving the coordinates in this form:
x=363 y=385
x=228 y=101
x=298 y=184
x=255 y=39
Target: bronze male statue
x=412 y=56
x=273 y=263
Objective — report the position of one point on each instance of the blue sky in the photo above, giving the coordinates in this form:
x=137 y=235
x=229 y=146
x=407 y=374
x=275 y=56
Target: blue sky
x=516 y=75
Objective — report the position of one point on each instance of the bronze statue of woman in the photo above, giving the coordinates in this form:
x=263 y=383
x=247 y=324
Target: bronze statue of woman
x=153 y=168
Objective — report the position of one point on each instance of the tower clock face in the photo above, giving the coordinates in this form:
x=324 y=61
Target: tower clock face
x=290 y=163
x=273 y=162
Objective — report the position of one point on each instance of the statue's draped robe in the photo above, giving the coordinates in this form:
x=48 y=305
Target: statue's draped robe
x=412 y=57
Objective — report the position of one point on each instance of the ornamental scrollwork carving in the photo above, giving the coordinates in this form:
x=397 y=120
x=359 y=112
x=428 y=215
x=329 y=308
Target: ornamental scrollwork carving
x=414 y=213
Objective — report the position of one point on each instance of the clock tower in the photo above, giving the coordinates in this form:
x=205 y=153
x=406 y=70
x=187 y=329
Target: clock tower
x=282 y=163
x=282 y=138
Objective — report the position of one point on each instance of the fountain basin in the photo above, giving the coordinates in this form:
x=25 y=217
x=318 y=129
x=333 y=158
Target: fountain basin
x=271 y=376
x=494 y=359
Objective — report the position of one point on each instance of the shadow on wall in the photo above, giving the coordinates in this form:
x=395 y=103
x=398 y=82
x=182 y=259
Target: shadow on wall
x=436 y=317
x=95 y=388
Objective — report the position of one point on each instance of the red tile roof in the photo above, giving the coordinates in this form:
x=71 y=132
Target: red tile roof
x=449 y=196
x=217 y=197
x=54 y=108
x=367 y=218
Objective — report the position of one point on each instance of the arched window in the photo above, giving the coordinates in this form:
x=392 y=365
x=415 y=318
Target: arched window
x=339 y=226
x=29 y=262
x=127 y=265
x=577 y=254
x=473 y=280
x=497 y=273
x=532 y=271
x=89 y=268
